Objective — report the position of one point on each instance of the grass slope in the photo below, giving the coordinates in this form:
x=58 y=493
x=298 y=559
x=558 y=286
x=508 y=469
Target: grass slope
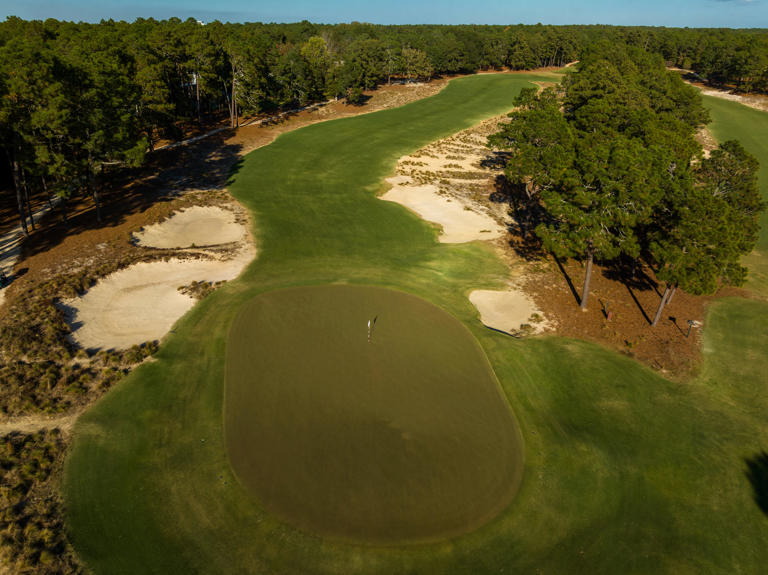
x=625 y=472
x=403 y=438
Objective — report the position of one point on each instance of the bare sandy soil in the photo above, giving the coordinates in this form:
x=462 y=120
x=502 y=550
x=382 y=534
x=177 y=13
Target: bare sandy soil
x=509 y=311
x=142 y=302
x=10 y=248
x=35 y=423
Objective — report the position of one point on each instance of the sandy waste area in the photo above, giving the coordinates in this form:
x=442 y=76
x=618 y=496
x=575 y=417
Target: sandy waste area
x=142 y=302
x=449 y=183
x=757 y=101
x=457 y=221
x=445 y=183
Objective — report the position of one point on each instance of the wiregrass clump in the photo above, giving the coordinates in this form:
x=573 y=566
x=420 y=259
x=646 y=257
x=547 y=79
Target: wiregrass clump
x=41 y=369
x=32 y=533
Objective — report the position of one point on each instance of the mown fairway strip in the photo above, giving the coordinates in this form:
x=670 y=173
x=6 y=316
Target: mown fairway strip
x=625 y=472
x=405 y=437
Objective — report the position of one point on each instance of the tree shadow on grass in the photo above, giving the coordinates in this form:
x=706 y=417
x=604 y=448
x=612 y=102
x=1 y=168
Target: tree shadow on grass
x=757 y=473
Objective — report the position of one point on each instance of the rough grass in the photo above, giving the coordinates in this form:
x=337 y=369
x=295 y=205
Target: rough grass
x=625 y=472
x=403 y=438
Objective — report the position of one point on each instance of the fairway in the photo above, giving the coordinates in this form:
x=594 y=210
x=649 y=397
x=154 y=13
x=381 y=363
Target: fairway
x=403 y=438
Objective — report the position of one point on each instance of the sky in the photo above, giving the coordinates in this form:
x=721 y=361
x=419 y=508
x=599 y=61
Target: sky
x=691 y=13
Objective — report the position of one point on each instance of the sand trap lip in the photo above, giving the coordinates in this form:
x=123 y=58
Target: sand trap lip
x=459 y=224
x=197 y=226
x=506 y=310
x=142 y=302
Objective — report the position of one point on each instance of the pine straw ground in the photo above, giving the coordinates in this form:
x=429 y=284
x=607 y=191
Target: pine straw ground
x=630 y=303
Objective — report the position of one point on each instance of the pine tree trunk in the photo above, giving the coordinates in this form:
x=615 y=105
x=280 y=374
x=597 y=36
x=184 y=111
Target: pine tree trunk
x=234 y=100
x=47 y=193
x=662 y=303
x=229 y=104
x=671 y=294
x=587 y=278
x=26 y=200
x=63 y=206
x=19 y=197
x=197 y=95
x=94 y=191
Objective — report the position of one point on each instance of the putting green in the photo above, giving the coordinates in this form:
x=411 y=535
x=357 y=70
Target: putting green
x=406 y=437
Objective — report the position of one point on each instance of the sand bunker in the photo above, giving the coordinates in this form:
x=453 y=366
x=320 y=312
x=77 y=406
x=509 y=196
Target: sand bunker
x=142 y=302
x=508 y=310
x=459 y=222
x=196 y=226
x=449 y=183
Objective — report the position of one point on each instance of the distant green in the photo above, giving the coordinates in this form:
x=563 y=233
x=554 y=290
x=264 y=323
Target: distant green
x=625 y=471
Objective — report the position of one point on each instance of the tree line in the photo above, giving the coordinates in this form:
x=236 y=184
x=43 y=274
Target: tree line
x=78 y=97
x=606 y=167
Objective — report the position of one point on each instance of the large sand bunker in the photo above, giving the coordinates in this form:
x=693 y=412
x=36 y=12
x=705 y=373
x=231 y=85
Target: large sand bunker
x=508 y=311
x=459 y=222
x=449 y=183
x=142 y=302
x=196 y=226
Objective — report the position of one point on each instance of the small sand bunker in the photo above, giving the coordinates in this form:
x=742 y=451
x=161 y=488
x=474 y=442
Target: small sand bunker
x=508 y=311
x=459 y=222
x=197 y=226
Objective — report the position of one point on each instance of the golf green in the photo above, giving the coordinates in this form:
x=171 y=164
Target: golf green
x=403 y=437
